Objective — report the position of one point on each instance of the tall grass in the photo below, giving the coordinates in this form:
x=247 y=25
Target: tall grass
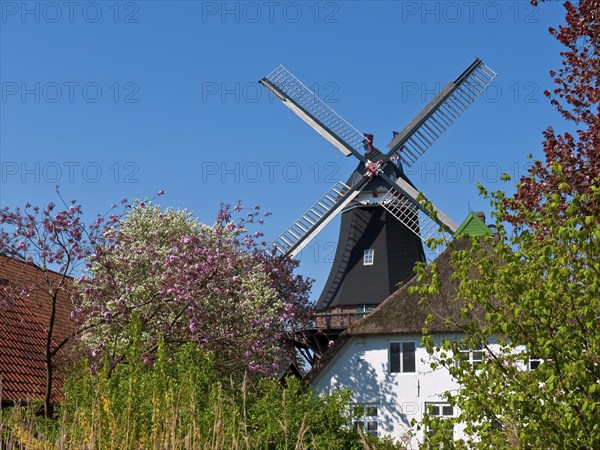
x=183 y=402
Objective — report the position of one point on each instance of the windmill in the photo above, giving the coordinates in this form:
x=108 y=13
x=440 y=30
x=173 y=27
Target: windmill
x=375 y=193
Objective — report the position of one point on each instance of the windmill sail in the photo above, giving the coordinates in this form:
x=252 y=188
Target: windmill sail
x=314 y=111
x=415 y=220
x=300 y=233
x=410 y=195
x=401 y=200
x=441 y=112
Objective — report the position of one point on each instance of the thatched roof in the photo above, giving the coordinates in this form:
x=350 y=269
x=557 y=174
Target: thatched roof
x=404 y=313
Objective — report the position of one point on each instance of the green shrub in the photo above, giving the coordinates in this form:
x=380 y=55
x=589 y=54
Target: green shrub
x=182 y=401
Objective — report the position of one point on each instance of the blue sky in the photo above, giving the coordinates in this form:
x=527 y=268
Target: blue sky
x=123 y=99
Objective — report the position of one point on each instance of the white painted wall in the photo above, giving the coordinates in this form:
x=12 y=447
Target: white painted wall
x=362 y=365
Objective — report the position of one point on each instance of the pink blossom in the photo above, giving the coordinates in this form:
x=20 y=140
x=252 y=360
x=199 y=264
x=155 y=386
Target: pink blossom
x=204 y=286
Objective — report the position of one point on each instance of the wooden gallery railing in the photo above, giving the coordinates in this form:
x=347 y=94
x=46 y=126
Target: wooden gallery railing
x=335 y=321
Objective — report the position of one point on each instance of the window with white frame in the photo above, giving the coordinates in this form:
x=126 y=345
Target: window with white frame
x=439 y=409
x=366 y=418
x=369 y=257
x=474 y=356
x=363 y=310
x=533 y=361
x=442 y=410
x=402 y=357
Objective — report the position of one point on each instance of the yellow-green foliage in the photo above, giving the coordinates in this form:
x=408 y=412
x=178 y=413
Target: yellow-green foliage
x=182 y=401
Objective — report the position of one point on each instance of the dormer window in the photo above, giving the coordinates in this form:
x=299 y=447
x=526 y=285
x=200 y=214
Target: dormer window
x=369 y=257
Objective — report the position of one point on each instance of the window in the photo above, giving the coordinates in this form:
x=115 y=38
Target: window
x=369 y=257
x=473 y=356
x=441 y=410
x=367 y=419
x=402 y=357
x=363 y=310
x=533 y=362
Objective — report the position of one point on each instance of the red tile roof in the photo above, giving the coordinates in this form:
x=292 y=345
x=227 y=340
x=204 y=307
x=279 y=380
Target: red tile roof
x=23 y=327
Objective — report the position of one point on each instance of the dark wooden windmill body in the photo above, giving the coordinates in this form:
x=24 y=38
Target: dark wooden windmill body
x=375 y=253
x=384 y=218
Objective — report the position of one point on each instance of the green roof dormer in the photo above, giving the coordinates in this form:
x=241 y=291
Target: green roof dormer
x=473 y=225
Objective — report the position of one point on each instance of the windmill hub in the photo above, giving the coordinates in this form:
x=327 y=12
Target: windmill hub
x=373 y=168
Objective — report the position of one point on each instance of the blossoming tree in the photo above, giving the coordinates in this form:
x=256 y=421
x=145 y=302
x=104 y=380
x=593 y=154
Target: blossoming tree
x=51 y=244
x=183 y=281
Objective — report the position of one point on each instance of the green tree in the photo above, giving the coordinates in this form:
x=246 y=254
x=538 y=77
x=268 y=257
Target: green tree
x=534 y=289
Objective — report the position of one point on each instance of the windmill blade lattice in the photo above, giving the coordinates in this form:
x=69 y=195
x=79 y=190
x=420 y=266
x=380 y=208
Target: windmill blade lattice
x=291 y=241
x=411 y=195
x=447 y=106
x=415 y=220
x=314 y=111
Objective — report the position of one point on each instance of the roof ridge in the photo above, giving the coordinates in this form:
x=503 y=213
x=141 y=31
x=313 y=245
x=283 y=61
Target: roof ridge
x=34 y=266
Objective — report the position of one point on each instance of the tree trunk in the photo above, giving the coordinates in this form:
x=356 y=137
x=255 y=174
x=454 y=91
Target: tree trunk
x=48 y=395
x=49 y=366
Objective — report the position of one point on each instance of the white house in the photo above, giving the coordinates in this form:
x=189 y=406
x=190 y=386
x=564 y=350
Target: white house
x=381 y=359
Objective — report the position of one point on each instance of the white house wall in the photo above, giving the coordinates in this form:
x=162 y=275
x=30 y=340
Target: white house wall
x=362 y=366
